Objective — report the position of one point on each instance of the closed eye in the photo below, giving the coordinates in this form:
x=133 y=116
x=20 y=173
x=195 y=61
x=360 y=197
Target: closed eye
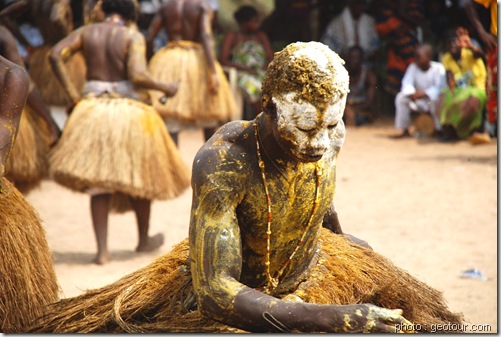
x=305 y=129
x=332 y=126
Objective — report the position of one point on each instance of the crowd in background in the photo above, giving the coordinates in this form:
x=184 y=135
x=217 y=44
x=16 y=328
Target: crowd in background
x=386 y=32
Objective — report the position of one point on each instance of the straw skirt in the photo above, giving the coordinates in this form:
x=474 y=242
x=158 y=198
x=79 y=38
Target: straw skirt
x=27 y=278
x=28 y=163
x=185 y=63
x=159 y=297
x=46 y=81
x=118 y=145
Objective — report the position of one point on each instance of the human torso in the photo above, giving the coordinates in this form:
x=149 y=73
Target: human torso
x=182 y=19
x=358 y=93
x=467 y=70
x=424 y=79
x=105 y=49
x=292 y=195
x=248 y=51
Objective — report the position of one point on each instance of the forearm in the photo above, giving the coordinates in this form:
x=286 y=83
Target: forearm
x=57 y=64
x=258 y=312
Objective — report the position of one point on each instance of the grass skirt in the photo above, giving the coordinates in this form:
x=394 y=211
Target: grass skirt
x=28 y=163
x=156 y=297
x=46 y=81
x=27 y=278
x=120 y=145
x=185 y=63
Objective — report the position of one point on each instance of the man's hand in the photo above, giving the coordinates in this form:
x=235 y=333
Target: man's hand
x=71 y=106
x=364 y=318
x=418 y=95
x=213 y=84
x=171 y=89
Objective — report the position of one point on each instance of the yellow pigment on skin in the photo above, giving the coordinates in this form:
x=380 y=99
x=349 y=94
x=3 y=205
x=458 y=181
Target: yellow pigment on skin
x=347 y=326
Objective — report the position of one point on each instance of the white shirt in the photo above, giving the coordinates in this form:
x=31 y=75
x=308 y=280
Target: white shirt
x=431 y=81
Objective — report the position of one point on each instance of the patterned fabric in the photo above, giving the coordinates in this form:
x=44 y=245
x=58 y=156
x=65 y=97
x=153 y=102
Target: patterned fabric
x=469 y=71
x=250 y=54
x=492 y=85
x=401 y=38
x=470 y=76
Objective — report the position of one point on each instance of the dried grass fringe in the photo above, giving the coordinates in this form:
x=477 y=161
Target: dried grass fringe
x=192 y=102
x=152 y=299
x=121 y=145
x=27 y=278
x=46 y=81
x=28 y=162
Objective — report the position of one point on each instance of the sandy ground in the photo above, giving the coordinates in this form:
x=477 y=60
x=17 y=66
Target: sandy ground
x=429 y=207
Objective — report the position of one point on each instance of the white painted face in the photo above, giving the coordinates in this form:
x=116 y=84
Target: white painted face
x=307 y=131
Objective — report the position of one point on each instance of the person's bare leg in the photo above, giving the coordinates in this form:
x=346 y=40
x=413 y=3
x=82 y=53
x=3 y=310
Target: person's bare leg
x=100 y=205
x=142 y=209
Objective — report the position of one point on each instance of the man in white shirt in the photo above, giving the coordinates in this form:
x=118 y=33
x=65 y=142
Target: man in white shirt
x=422 y=84
x=353 y=27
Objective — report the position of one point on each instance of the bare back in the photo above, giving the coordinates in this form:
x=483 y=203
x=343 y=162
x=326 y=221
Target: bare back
x=105 y=47
x=182 y=19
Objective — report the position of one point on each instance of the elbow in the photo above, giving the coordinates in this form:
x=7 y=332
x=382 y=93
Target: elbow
x=54 y=58
x=209 y=307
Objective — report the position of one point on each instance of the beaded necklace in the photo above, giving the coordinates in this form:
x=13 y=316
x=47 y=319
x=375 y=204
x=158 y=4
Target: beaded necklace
x=272 y=282
x=115 y=19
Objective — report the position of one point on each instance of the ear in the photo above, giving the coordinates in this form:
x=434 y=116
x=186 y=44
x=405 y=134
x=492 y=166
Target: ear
x=270 y=108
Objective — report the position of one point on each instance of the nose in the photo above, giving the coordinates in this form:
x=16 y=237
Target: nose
x=319 y=143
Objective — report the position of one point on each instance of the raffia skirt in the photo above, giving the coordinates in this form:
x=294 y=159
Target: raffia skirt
x=27 y=278
x=119 y=145
x=28 y=163
x=46 y=81
x=159 y=297
x=184 y=62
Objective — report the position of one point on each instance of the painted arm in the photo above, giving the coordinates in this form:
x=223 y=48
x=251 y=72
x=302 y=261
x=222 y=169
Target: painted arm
x=61 y=52
x=137 y=68
x=14 y=87
x=489 y=39
x=208 y=45
x=216 y=264
x=153 y=30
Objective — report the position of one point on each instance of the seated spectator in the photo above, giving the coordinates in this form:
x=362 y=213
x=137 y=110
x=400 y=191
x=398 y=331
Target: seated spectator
x=422 y=84
x=352 y=27
x=249 y=51
x=460 y=106
x=363 y=83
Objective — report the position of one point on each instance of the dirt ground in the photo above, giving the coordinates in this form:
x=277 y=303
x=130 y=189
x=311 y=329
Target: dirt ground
x=430 y=207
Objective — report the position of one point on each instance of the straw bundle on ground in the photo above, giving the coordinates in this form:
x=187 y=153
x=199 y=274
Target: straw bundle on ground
x=51 y=89
x=121 y=145
x=28 y=163
x=159 y=298
x=27 y=278
x=184 y=62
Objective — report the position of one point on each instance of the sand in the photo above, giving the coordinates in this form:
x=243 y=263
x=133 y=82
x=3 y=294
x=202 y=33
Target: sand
x=430 y=207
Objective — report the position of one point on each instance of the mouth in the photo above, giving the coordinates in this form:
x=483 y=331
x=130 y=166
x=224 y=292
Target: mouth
x=310 y=158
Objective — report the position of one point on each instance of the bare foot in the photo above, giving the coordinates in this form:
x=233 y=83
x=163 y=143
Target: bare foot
x=154 y=242
x=102 y=258
x=404 y=134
